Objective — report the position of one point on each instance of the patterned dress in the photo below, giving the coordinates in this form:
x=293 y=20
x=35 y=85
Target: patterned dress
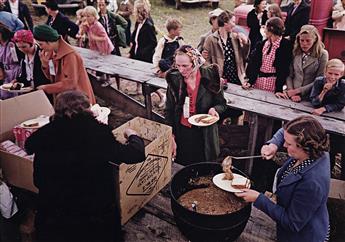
x=230 y=67
x=268 y=57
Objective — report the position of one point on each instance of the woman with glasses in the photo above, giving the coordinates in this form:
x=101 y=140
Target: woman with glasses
x=193 y=89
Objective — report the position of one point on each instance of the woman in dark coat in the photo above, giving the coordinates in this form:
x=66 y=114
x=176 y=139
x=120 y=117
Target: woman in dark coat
x=297 y=15
x=193 y=89
x=76 y=199
x=255 y=19
x=269 y=63
x=143 y=39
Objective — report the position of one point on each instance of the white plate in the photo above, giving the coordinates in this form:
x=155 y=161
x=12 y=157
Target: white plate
x=192 y=121
x=22 y=90
x=225 y=184
x=41 y=120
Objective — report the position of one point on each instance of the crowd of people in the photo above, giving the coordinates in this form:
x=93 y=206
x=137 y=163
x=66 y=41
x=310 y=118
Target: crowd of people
x=282 y=56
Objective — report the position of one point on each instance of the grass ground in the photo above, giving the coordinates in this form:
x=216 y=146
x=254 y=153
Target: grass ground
x=194 y=17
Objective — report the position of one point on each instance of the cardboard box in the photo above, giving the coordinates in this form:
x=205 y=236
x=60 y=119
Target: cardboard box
x=17 y=170
x=138 y=183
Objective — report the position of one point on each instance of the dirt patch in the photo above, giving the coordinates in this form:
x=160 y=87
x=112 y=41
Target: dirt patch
x=210 y=199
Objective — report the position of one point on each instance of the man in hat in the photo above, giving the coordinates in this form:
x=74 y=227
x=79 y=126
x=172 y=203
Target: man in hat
x=212 y=15
x=61 y=63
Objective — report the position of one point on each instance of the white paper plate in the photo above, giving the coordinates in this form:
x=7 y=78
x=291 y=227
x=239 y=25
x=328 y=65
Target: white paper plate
x=41 y=120
x=225 y=184
x=192 y=121
x=22 y=90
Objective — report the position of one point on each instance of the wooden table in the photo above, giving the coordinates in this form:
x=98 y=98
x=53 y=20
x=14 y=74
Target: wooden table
x=262 y=103
x=155 y=222
x=256 y=103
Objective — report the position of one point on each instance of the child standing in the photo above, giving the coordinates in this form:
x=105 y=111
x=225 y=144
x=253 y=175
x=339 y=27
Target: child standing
x=328 y=95
x=164 y=53
x=98 y=37
x=81 y=36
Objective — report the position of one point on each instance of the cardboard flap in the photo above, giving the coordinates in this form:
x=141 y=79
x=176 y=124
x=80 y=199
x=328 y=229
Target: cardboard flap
x=19 y=109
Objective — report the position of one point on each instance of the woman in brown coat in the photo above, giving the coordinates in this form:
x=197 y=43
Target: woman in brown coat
x=61 y=64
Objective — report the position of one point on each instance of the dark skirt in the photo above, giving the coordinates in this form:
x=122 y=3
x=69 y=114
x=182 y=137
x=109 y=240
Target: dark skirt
x=190 y=145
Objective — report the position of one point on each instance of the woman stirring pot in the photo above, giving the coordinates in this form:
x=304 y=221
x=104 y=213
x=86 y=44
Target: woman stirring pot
x=302 y=182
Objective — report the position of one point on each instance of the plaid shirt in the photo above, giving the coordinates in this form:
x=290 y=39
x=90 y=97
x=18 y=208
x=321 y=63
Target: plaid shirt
x=268 y=57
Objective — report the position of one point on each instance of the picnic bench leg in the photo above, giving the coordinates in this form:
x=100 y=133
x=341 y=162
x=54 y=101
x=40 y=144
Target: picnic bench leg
x=148 y=102
x=117 y=79
x=269 y=129
x=253 y=134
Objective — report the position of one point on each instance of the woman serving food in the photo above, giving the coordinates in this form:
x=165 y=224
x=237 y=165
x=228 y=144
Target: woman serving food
x=302 y=183
x=194 y=89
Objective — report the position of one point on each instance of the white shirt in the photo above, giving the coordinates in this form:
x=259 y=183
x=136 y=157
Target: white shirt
x=29 y=67
x=14 y=7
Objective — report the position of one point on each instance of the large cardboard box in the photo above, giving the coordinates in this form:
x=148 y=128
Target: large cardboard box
x=138 y=183
x=17 y=170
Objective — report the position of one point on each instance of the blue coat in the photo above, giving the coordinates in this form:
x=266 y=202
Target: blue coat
x=301 y=210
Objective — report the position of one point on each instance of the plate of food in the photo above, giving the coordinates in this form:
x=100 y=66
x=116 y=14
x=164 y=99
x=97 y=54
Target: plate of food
x=202 y=120
x=16 y=87
x=237 y=183
x=35 y=123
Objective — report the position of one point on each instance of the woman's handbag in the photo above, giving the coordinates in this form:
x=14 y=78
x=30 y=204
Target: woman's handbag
x=8 y=207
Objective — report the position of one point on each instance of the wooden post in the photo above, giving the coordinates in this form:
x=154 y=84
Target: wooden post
x=148 y=102
x=253 y=134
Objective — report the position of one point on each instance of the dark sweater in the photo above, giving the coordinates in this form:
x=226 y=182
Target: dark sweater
x=282 y=62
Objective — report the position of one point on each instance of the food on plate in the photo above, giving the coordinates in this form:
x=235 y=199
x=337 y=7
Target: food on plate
x=29 y=124
x=16 y=86
x=7 y=85
x=208 y=120
x=240 y=182
x=198 y=119
x=227 y=165
x=13 y=86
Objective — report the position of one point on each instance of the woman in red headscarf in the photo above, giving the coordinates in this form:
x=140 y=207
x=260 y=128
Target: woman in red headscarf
x=31 y=72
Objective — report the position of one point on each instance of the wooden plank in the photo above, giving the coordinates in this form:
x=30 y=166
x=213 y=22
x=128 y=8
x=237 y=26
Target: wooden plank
x=147 y=227
x=271 y=98
x=122 y=101
x=158 y=82
x=113 y=65
x=280 y=112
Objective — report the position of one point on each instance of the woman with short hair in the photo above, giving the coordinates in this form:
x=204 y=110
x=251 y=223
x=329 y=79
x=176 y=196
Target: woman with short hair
x=269 y=63
x=255 y=19
x=76 y=183
x=302 y=183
